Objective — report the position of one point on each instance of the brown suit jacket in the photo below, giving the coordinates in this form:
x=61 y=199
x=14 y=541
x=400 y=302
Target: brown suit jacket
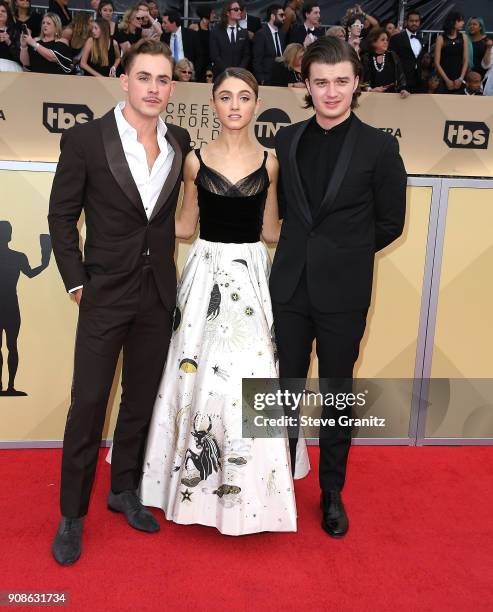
x=93 y=176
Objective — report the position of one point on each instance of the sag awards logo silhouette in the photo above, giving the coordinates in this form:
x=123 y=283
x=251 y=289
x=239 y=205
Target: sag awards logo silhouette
x=60 y=117
x=466 y=134
x=12 y=263
x=268 y=124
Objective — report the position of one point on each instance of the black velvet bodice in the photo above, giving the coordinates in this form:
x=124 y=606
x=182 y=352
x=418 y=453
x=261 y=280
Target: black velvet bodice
x=231 y=212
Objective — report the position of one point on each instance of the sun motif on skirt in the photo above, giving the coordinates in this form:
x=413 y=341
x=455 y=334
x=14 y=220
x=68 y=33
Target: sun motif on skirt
x=229 y=332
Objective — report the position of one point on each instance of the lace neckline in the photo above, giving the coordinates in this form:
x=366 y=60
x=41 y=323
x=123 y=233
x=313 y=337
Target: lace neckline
x=225 y=178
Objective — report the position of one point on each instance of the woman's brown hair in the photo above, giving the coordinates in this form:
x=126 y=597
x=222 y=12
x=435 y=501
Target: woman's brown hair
x=237 y=73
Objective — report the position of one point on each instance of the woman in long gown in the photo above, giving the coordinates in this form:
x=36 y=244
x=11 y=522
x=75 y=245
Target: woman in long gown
x=198 y=468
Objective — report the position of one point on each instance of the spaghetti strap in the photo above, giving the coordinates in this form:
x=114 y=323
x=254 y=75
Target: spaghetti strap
x=266 y=155
x=197 y=153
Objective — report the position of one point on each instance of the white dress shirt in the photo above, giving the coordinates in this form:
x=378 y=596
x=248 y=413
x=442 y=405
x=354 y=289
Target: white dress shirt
x=179 y=38
x=148 y=183
x=414 y=42
x=230 y=32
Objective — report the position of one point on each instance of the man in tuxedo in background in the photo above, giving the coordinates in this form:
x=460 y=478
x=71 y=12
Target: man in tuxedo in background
x=229 y=44
x=250 y=23
x=409 y=46
x=124 y=172
x=269 y=43
x=310 y=30
x=342 y=194
x=183 y=42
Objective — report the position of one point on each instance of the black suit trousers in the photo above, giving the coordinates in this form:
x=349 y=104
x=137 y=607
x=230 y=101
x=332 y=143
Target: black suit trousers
x=338 y=335
x=140 y=325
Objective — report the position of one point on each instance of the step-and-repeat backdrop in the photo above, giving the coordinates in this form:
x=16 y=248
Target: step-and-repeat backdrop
x=437 y=134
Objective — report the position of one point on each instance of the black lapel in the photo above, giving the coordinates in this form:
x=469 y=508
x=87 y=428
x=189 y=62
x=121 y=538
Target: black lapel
x=341 y=167
x=117 y=161
x=174 y=173
x=295 y=173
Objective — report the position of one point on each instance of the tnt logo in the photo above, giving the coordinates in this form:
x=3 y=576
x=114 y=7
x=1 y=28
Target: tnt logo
x=268 y=124
x=466 y=134
x=60 y=117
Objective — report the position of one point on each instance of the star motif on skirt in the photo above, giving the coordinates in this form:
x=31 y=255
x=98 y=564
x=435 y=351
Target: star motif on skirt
x=186 y=495
x=235 y=297
x=215 y=369
x=249 y=311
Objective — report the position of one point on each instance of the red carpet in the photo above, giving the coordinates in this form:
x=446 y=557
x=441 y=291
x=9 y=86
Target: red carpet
x=421 y=538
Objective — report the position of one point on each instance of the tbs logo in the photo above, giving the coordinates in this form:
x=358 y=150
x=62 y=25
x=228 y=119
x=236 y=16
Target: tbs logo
x=60 y=117
x=466 y=134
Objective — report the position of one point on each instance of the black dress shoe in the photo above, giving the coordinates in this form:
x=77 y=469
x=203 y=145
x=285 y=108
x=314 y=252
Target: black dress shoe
x=67 y=543
x=137 y=515
x=334 y=518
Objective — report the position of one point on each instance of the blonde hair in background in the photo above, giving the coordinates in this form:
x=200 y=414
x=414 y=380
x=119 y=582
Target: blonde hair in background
x=127 y=16
x=337 y=31
x=290 y=53
x=81 y=29
x=184 y=64
x=100 y=46
x=56 y=22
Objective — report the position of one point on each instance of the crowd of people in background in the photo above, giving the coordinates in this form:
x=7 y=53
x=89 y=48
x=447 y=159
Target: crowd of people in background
x=459 y=60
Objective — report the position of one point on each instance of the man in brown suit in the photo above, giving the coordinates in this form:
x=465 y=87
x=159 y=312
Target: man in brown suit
x=124 y=171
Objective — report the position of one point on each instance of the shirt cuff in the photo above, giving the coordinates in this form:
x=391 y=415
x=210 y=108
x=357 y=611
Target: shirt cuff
x=75 y=289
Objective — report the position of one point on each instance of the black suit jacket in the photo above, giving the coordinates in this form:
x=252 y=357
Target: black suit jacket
x=362 y=212
x=411 y=65
x=253 y=24
x=225 y=54
x=192 y=49
x=93 y=176
x=264 y=54
x=298 y=33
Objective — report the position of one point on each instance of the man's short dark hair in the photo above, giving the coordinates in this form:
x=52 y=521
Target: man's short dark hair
x=413 y=12
x=147 y=47
x=173 y=17
x=330 y=50
x=308 y=8
x=204 y=12
x=272 y=10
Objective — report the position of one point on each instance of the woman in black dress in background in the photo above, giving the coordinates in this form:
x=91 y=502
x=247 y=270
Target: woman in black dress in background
x=382 y=69
x=101 y=54
x=24 y=15
x=452 y=55
x=49 y=53
x=476 y=34
x=286 y=71
x=9 y=56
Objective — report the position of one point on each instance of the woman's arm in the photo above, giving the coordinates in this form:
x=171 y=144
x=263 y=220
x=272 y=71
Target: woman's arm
x=465 y=60
x=271 y=227
x=85 y=57
x=486 y=62
x=117 y=59
x=187 y=217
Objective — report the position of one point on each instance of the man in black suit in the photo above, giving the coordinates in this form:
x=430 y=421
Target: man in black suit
x=249 y=22
x=342 y=197
x=183 y=42
x=124 y=171
x=410 y=48
x=229 y=44
x=310 y=30
x=269 y=43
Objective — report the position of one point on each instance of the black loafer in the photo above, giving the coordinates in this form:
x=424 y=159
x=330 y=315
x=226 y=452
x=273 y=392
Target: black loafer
x=137 y=515
x=334 y=518
x=66 y=547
